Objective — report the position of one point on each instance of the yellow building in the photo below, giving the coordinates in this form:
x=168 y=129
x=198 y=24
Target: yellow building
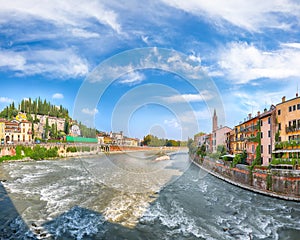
x=287 y=135
x=18 y=132
x=288 y=119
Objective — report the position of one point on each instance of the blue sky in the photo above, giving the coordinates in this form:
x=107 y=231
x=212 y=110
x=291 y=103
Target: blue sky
x=250 y=50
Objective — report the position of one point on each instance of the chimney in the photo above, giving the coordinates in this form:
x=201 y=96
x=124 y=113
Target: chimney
x=258 y=113
x=249 y=116
x=283 y=99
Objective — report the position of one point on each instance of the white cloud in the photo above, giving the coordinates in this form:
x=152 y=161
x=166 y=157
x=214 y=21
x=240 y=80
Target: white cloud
x=57 y=96
x=204 y=96
x=251 y=15
x=89 y=111
x=190 y=116
x=60 y=63
x=78 y=32
x=145 y=39
x=12 y=60
x=195 y=58
x=242 y=62
x=150 y=58
x=172 y=123
x=73 y=13
x=132 y=78
x=291 y=45
x=6 y=100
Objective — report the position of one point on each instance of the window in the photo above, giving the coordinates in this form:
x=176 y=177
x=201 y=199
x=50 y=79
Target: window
x=294 y=107
x=279 y=126
x=269 y=133
x=270 y=160
x=269 y=120
x=261 y=123
x=253 y=149
x=298 y=106
x=261 y=135
x=279 y=111
x=261 y=149
x=269 y=148
x=294 y=123
x=290 y=108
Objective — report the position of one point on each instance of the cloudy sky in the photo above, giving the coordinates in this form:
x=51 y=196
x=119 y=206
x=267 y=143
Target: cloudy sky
x=244 y=53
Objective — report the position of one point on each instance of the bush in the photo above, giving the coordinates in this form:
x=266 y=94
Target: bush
x=71 y=149
x=236 y=160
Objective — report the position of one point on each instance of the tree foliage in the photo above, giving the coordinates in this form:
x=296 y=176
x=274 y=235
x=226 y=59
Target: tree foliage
x=154 y=141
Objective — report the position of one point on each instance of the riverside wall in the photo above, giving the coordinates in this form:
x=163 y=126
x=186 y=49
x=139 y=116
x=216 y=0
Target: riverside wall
x=10 y=150
x=283 y=184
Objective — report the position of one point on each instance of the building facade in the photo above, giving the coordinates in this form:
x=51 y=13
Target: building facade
x=246 y=137
x=267 y=134
x=287 y=140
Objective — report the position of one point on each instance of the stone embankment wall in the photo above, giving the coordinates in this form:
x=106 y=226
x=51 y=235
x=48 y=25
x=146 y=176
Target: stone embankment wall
x=277 y=183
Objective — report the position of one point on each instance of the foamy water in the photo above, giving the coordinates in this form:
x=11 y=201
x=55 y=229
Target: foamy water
x=134 y=197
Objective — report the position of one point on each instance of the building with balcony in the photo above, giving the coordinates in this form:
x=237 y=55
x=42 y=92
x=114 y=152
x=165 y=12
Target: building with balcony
x=245 y=137
x=287 y=134
x=288 y=119
x=230 y=141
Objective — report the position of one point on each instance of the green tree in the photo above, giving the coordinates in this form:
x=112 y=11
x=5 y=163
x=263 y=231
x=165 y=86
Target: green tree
x=46 y=129
x=67 y=127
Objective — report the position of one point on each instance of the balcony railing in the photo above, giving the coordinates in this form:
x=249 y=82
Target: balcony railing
x=292 y=129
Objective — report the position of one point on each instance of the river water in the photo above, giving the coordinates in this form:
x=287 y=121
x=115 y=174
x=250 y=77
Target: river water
x=132 y=196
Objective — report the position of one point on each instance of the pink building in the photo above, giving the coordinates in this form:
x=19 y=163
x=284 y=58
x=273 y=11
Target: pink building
x=267 y=134
x=220 y=137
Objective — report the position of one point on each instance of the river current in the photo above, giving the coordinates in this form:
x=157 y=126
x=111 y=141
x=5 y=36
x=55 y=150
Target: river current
x=133 y=196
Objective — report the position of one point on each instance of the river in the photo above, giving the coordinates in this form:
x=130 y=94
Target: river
x=132 y=196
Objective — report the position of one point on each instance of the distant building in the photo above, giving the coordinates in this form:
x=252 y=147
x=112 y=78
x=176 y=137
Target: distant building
x=75 y=131
x=15 y=131
x=117 y=138
x=100 y=139
x=133 y=142
x=219 y=134
x=200 y=139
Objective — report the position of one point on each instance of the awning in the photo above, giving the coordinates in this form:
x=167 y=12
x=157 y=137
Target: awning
x=228 y=155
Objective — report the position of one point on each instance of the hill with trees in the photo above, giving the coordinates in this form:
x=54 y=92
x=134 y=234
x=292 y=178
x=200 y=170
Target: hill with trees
x=34 y=109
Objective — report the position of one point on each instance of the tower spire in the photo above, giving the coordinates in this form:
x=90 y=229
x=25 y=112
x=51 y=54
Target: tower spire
x=215 y=121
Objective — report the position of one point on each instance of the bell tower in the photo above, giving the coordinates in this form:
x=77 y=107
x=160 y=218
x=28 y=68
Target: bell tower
x=215 y=121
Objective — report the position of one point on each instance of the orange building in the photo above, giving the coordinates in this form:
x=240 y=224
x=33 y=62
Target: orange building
x=245 y=137
x=288 y=128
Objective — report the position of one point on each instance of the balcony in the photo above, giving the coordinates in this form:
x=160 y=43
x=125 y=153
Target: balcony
x=293 y=128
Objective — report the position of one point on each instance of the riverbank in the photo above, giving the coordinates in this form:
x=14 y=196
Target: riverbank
x=279 y=184
x=81 y=151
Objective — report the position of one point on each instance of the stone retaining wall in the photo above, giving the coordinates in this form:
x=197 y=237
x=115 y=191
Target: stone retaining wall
x=277 y=183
